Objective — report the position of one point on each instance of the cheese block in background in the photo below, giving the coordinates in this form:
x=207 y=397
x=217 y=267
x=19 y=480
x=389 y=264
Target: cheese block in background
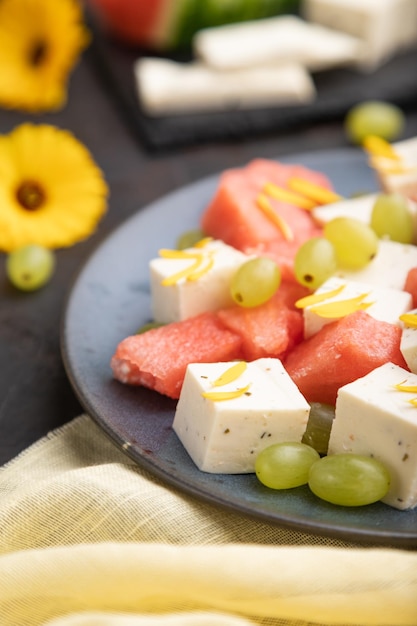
x=166 y=86
x=383 y=26
x=279 y=39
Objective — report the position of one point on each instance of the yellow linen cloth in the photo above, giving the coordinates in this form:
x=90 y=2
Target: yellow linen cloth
x=89 y=538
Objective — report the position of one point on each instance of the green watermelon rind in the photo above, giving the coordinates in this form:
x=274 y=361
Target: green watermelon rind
x=194 y=15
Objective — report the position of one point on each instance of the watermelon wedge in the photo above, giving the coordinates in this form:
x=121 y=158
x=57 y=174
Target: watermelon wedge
x=234 y=216
x=158 y=358
x=340 y=353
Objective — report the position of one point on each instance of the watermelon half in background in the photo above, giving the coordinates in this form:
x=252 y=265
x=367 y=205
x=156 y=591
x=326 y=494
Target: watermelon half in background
x=170 y=24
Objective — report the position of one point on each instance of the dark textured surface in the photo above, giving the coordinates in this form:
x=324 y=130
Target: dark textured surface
x=35 y=393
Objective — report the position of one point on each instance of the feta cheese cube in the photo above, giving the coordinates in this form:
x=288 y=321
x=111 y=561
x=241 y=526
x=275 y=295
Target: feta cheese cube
x=275 y=40
x=359 y=208
x=408 y=345
x=373 y=418
x=389 y=268
x=401 y=182
x=386 y=304
x=225 y=436
x=383 y=26
x=186 y=298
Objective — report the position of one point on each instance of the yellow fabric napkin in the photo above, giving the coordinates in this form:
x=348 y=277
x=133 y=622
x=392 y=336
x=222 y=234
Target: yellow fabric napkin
x=89 y=538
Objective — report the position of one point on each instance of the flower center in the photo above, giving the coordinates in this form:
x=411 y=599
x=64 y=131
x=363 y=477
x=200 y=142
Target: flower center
x=30 y=195
x=37 y=53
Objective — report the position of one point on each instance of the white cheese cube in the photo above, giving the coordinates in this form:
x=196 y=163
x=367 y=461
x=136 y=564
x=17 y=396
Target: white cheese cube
x=401 y=182
x=383 y=26
x=186 y=298
x=225 y=436
x=359 y=208
x=373 y=418
x=408 y=345
x=275 y=39
x=389 y=268
x=386 y=304
x=168 y=87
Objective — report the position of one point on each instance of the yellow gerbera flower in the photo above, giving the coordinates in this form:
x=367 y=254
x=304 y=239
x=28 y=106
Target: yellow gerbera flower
x=40 y=42
x=52 y=193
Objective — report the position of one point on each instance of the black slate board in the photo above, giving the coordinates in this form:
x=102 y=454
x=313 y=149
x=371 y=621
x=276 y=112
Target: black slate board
x=337 y=91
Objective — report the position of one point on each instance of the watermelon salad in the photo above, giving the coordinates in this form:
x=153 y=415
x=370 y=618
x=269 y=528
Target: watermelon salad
x=247 y=362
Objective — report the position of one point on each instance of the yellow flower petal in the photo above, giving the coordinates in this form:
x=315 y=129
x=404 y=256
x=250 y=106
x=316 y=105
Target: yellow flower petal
x=341 y=308
x=220 y=396
x=316 y=298
x=409 y=319
x=231 y=374
x=40 y=42
x=72 y=190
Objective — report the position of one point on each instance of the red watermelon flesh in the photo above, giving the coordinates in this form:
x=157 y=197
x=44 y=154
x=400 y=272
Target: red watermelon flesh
x=158 y=358
x=340 y=353
x=234 y=216
x=268 y=330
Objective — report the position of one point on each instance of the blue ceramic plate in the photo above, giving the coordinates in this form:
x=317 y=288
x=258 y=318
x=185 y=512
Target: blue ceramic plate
x=110 y=300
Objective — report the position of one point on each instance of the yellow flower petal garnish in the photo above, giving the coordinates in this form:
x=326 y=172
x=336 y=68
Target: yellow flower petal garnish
x=203 y=270
x=184 y=273
x=203 y=242
x=178 y=254
x=231 y=374
x=406 y=388
x=316 y=193
x=413 y=401
x=279 y=193
x=316 y=298
x=40 y=43
x=267 y=208
x=51 y=191
x=377 y=146
x=409 y=319
x=341 y=308
x=219 y=396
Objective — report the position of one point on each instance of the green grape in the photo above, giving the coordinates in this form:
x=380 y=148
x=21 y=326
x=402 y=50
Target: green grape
x=255 y=282
x=349 y=479
x=355 y=242
x=319 y=426
x=315 y=261
x=30 y=267
x=374 y=117
x=391 y=218
x=148 y=326
x=285 y=465
x=189 y=239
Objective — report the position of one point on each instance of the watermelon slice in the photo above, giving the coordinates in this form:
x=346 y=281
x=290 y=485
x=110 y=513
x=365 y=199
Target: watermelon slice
x=234 y=216
x=340 y=353
x=159 y=357
x=170 y=24
x=269 y=330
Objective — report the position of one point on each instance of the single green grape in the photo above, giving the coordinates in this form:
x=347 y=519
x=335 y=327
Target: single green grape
x=148 y=326
x=189 y=239
x=319 y=426
x=314 y=262
x=391 y=218
x=349 y=479
x=30 y=267
x=354 y=241
x=374 y=117
x=255 y=282
x=285 y=465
